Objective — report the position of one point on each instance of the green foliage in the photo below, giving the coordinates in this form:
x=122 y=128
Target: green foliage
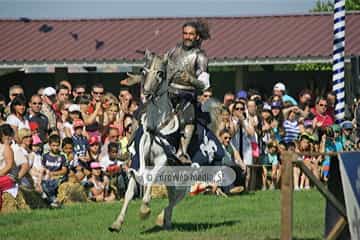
x=323 y=6
x=313 y=67
x=248 y=216
x=328 y=5
x=304 y=67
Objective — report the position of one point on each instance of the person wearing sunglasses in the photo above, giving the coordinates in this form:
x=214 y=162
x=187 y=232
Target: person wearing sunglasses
x=322 y=118
x=14 y=91
x=34 y=115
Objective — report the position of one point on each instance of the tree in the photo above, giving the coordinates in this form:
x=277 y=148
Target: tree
x=328 y=5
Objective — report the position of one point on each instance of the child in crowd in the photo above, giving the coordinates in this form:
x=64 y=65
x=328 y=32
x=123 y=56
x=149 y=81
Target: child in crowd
x=36 y=168
x=271 y=158
x=55 y=169
x=101 y=185
x=80 y=143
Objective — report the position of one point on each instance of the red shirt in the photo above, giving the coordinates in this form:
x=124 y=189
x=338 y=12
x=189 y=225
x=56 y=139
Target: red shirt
x=326 y=119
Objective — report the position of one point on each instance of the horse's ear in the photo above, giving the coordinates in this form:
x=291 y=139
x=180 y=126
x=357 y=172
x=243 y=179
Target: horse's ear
x=165 y=58
x=148 y=54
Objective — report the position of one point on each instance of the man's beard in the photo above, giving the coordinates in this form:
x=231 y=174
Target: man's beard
x=187 y=44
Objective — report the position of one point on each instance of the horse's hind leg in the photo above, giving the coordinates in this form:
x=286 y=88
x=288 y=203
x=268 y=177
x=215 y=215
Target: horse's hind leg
x=175 y=195
x=116 y=226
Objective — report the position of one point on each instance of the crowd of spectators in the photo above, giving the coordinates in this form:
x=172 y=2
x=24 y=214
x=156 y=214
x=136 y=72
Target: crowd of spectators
x=67 y=135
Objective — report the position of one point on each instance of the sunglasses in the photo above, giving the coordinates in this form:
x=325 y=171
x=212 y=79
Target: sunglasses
x=98 y=93
x=237 y=109
x=323 y=105
x=227 y=138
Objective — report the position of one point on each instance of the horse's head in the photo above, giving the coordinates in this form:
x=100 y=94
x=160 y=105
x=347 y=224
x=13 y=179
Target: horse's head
x=154 y=72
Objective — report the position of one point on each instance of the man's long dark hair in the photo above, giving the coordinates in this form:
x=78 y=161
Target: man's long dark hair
x=201 y=27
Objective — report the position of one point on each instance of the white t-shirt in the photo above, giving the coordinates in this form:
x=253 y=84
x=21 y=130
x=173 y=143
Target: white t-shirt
x=105 y=162
x=21 y=156
x=15 y=121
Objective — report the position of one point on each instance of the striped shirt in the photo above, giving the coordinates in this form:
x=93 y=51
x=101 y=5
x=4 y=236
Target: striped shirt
x=292 y=131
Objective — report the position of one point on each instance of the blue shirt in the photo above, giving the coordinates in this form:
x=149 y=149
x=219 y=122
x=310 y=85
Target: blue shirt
x=53 y=163
x=80 y=144
x=287 y=98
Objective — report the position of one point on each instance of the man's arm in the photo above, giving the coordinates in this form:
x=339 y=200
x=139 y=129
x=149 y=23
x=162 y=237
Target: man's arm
x=132 y=79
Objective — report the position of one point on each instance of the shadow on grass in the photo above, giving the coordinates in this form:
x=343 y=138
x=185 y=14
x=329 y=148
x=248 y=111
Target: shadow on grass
x=192 y=227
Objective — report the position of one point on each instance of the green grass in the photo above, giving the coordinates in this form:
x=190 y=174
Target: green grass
x=250 y=216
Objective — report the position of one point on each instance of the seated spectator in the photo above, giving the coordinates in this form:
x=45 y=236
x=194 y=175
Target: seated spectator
x=128 y=126
x=6 y=163
x=101 y=191
x=305 y=146
x=80 y=143
x=68 y=152
x=55 y=169
x=21 y=156
x=233 y=160
x=93 y=151
x=271 y=158
x=74 y=114
x=36 y=166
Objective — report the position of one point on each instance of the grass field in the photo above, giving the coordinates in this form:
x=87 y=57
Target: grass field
x=248 y=216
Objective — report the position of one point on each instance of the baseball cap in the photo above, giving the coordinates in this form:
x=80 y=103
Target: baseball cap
x=347 y=125
x=308 y=123
x=279 y=86
x=95 y=165
x=276 y=104
x=49 y=91
x=74 y=108
x=241 y=94
x=93 y=140
x=78 y=123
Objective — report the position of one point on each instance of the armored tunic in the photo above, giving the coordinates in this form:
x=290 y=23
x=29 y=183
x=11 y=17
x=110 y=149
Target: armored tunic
x=193 y=62
x=187 y=75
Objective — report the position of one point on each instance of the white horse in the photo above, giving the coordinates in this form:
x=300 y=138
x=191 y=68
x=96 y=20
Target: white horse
x=158 y=121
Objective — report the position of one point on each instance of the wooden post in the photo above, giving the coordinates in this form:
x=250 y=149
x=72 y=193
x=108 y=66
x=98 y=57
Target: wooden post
x=337 y=229
x=287 y=196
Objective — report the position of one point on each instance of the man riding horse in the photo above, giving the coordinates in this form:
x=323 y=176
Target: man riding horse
x=187 y=74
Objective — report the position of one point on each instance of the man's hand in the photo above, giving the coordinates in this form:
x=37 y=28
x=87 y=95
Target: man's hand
x=185 y=76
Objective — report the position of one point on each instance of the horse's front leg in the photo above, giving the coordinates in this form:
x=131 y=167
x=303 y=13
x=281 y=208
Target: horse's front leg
x=116 y=226
x=145 y=210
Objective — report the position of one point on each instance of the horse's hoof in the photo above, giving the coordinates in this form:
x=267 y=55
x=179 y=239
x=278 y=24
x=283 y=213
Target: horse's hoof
x=144 y=211
x=160 y=219
x=115 y=227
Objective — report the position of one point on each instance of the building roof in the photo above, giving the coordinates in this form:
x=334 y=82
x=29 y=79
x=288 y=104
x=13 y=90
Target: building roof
x=234 y=40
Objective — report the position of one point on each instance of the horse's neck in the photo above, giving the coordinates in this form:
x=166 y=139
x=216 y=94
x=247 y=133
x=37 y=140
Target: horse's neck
x=159 y=108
